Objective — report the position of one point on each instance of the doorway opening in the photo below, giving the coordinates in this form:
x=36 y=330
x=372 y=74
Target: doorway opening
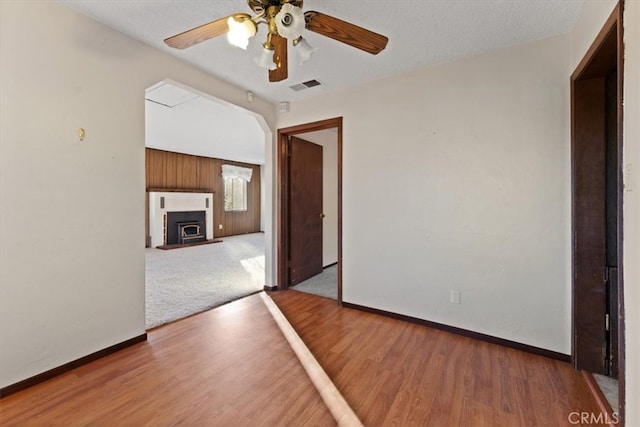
x=310 y=155
x=596 y=147
x=202 y=250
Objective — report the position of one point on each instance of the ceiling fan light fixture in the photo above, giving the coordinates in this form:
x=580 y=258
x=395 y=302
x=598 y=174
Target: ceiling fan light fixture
x=304 y=49
x=241 y=29
x=286 y=22
x=290 y=21
x=265 y=59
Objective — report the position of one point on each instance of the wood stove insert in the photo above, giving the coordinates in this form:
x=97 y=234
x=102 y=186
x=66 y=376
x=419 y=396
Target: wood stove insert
x=186 y=227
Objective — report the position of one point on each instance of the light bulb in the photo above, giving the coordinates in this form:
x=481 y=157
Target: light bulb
x=241 y=29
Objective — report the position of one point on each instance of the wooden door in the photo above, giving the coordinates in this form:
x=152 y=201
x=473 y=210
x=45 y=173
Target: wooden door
x=589 y=222
x=305 y=210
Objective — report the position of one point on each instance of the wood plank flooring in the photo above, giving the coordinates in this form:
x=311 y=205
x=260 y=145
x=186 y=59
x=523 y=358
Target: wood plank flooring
x=230 y=366
x=395 y=373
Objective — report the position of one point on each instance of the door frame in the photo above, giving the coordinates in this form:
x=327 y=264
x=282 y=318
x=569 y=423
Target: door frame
x=590 y=67
x=282 y=184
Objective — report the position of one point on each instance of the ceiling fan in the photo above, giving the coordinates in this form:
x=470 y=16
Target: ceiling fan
x=285 y=21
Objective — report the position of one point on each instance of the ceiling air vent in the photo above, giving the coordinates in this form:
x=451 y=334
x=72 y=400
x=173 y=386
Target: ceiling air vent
x=305 y=85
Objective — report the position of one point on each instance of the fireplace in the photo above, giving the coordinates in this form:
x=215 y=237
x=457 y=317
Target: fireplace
x=166 y=209
x=186 y=227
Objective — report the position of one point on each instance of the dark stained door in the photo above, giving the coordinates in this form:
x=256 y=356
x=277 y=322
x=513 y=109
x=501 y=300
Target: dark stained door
x=589 y=234
x=305 y=210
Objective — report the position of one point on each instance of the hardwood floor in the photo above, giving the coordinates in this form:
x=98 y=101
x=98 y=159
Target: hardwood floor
x=394 y=373
x=230 y=366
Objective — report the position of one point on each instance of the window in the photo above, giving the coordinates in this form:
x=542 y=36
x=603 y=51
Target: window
x=235 y=187
x=235 y=194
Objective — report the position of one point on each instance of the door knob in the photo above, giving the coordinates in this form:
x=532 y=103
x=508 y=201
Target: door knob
x=321 y=215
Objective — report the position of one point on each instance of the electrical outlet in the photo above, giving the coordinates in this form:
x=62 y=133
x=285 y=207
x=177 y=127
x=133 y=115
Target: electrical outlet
x=219 y=226
x=454 y=297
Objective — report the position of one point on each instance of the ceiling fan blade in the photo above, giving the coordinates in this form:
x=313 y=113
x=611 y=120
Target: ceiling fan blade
x=198 y=34
x=345 y=32
x=280 y=58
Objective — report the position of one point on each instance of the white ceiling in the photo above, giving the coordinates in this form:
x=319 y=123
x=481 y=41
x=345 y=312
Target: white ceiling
x=421 y=33
x=181 y=120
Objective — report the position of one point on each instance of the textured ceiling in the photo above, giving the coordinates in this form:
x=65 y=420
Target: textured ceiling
x=421 y=33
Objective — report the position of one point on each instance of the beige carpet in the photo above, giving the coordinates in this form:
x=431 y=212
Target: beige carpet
x=185 y=281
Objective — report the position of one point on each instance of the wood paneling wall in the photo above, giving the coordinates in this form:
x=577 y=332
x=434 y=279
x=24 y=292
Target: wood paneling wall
x=168 y=171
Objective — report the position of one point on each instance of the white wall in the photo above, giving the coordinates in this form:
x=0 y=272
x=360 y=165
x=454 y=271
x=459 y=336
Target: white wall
x=72 y=213
x=458 y=178
x=328 y=139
